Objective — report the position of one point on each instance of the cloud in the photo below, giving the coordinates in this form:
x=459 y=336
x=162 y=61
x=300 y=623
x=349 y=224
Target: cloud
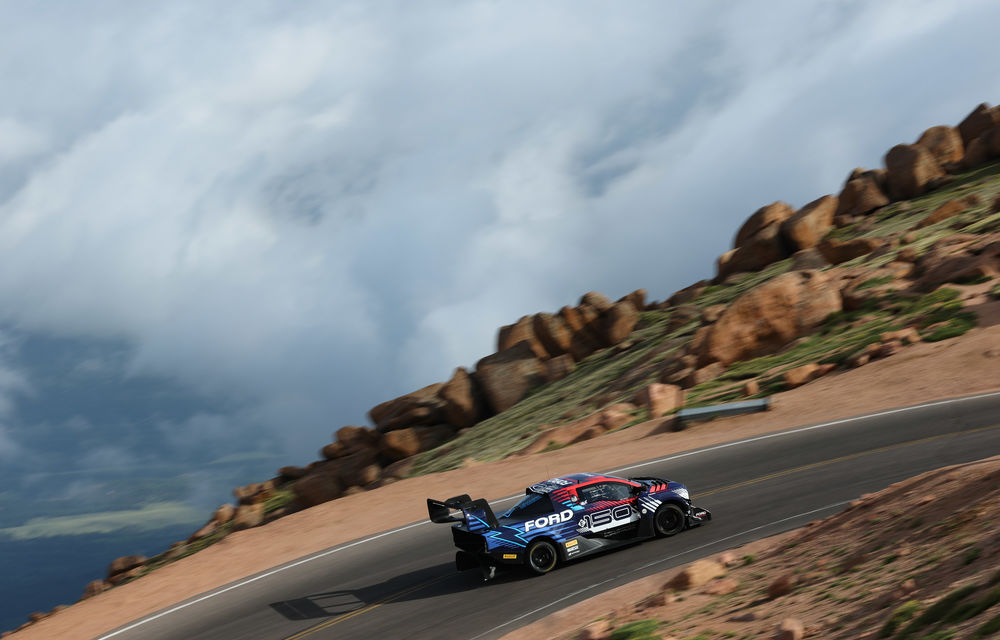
x=305 y=210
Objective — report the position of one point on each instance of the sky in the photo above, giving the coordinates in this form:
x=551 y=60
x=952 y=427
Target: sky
x=230 y=229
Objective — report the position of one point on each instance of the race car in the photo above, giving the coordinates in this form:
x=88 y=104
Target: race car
x=565 y=518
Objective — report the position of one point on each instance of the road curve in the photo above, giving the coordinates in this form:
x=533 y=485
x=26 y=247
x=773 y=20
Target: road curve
x=402 y=584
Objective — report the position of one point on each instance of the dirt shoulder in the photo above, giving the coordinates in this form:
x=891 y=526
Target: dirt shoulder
x=919 y=373
x=903 y=562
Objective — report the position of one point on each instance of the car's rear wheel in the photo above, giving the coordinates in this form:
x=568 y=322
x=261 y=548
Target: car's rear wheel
x=669 y=520
x=542 y=557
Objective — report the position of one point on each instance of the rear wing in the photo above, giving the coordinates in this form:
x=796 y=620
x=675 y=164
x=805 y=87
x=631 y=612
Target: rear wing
x=476 y=514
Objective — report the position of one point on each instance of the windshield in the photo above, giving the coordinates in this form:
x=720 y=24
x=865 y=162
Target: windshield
x=531 y=505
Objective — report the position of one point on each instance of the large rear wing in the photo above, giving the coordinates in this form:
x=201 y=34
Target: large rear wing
x=476 y=514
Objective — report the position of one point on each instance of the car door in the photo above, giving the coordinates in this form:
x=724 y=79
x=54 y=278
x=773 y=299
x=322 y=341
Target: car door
x=609 y=510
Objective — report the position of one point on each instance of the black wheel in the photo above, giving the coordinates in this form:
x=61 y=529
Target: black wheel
x=669 y=520
x=542 y=557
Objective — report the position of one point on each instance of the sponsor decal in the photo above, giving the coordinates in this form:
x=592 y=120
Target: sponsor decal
x=571 y=543
x=510 y=556
x=602 y=519
x=548 y=521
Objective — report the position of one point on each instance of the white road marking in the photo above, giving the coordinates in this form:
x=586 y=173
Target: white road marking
x=323 y=554
x=654 y=563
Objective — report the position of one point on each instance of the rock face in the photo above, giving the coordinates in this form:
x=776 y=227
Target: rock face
x=559 y=367
x=660 y=399
x=421 y=407
x=353 y=438
x=979 y=120
x=404 y=443
x=521 y=331
x=770 y=316
x=506 y=376
x=687 y=294
x=860 y=197
x=93 y=588
x=248 y=516
x=941 y=264
x=911 y=168
x=808 y=225
x=125 y=563
x=764 y=248
x=944 y=143
x=463 y=402
x=551 y=330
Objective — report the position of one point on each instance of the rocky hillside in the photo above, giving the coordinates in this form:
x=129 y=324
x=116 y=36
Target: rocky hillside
x=905 y=563
x=902 y=254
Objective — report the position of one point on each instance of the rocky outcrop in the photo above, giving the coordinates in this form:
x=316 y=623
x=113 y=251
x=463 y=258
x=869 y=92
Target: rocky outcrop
x=758 y=243
x=949 y=209
x=972 y=261
x=421 y=407
x=770 y=316
x=696 y=574
x=506 y=376
x=521 y=331
x=660 y=399
x=911 y=169
x=403 y=443
x=810 y=224
x=464 y=404
x=618 y=321
x=315 y=489
x=771 y=215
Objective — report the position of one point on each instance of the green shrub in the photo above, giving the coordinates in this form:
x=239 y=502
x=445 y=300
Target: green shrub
x=638 y=630
x=938 y=610
x=903 y=613
x=955 y=327
x=972 y=555
x=874 y=282
x=992 y=626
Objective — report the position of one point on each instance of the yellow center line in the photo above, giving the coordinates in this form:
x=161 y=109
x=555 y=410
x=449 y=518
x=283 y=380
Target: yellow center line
x=347 y=616
x=375 y=605
x=851 y=456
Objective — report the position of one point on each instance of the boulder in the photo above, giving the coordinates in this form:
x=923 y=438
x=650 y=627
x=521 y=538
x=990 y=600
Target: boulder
x=720 y=587
x=766 y=247
x=404 y=443
x=559 y=367
x=710 y=315
x=911 y=168
x=598 y=630
x=781 y=586
x=696 y=574
x=354 y=438
x=399 y=469
x=789 y=629
x=804 y=374
x=944 y=143
x=769 y=316
x=859 y=197
x=616 y=416
x=421 y=407
x=292 y=472
x=808 y=225
x=254 y=493
x=976 y=153
x=248 y=516
x=93 y=588
x=506 y=377
x=618 y=320
x=581 y=322
x=349 y=468
x=464 y=405
x=223 y=514
x=206 y=530
x=701 y=375
x=598 y=301
x=838 y=251
x=330 y=451
x=687 y=294
x=660 y=399
x=316 y=488
x=808 y=259
x=978 y=121
x=551 y=330
x=771 y=215
x=751 y=388
x=637 y=298
x=942 y=264
x=909 y=335
x=567 y=434
x=949 y=209
x=124 y=564
x=521 y=331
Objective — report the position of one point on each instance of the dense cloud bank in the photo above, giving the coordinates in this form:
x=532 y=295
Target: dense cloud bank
x=288 y=213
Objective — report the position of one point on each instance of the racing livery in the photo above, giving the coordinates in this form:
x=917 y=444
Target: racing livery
x=564 y=518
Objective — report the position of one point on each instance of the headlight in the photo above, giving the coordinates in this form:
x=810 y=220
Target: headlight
x=682 y=492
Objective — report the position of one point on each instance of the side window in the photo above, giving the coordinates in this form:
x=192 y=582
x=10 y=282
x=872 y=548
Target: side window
x=619 y=491
x=604 y=492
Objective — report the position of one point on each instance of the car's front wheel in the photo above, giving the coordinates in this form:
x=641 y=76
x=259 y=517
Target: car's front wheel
x=669 y=520
x=542 y=557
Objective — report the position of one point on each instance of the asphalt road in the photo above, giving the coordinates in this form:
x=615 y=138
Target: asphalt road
x=403 y=584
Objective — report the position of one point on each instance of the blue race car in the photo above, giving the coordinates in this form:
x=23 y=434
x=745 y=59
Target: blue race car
x=565 y=518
